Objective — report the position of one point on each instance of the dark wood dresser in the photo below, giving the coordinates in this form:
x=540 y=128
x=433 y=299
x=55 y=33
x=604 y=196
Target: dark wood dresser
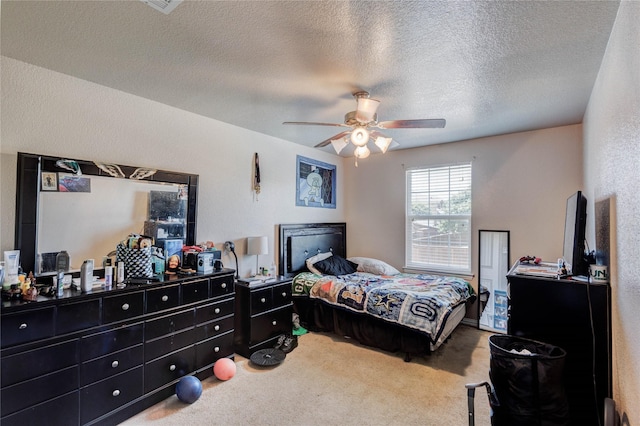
x=263 y=312
x=101 y=357
x=575 y=316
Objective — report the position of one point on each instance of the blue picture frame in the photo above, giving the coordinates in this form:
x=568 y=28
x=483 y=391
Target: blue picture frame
x=315 y=183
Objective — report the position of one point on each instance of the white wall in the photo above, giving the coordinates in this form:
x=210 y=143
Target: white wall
x=521 y=182
x=50 y=113
x=612 y=161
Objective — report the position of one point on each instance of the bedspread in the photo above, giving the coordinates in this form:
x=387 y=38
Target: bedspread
x=418 y=301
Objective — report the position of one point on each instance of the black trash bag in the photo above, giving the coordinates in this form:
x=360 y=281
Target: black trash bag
x=527 y=379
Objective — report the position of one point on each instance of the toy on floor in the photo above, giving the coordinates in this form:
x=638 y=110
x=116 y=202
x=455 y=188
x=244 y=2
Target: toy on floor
x=224 y=369
x=189 y=389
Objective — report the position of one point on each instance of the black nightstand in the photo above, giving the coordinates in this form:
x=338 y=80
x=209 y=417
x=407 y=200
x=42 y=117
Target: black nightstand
x=263 y=312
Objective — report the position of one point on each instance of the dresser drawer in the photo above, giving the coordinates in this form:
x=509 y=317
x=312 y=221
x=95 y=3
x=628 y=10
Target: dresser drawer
x=214 y=310
x=209 y=351
x=61 y=411
x=168 y=324
x=100 y=344
x=162 y=298
x=27 y=326
x=261 y=300
x=195 y=291
x=111 y=364
x=77 y=316
x=156 y=348
x=37 y=362
x=109 y=394
x=213 y=328
x=118 y=308
x=164 y=370
x=24 y=394
x=222 y=286
x=270 y=324
x=282 y=294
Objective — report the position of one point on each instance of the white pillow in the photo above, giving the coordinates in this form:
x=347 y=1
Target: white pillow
x=374 y=266
x=317 y=258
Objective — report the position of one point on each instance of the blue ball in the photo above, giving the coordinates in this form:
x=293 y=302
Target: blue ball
x=189 y=389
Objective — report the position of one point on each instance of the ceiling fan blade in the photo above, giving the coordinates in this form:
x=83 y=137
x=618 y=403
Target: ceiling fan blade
x=309 y=123
x=328 y=141
x=427 y=123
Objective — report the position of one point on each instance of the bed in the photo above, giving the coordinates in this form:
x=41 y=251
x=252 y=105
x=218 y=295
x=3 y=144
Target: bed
x=374 y=304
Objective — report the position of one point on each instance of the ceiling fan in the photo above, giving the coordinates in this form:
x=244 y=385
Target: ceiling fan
x=362 y=124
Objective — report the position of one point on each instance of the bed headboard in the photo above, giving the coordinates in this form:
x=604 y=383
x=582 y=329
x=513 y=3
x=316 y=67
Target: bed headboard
x=298 y=242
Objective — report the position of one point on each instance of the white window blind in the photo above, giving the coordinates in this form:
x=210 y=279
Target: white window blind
x=438 y=218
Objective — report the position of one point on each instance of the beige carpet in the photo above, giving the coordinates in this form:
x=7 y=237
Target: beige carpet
x=328 y=380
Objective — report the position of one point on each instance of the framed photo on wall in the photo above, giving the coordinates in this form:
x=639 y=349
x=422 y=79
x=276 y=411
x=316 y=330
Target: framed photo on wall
x=48 y=181
x=316 y=183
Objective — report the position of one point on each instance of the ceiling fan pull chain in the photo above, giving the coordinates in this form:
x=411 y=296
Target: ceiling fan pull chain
x=256 y=177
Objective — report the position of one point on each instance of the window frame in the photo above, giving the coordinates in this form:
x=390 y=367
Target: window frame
x=410 y=261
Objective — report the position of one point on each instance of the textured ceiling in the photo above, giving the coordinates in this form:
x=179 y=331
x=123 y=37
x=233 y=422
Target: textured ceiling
x=488 y=68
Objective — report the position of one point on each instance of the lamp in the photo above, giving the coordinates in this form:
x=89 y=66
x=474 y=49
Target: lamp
x=366 y=110
x=257 y=246
x=339 y=144
x=230 y=246
x=383 y=143
x=360 y=136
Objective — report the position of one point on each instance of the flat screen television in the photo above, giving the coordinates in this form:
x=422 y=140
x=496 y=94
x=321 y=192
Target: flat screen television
x=574 y=235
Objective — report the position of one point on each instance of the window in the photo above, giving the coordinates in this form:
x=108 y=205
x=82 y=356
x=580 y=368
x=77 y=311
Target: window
x=438 y=222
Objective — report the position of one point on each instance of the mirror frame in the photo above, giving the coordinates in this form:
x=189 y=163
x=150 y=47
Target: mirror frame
x=480 y=232
x=28 y=197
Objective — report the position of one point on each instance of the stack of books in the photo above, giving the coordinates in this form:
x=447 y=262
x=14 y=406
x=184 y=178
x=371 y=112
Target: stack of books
x=258 y=279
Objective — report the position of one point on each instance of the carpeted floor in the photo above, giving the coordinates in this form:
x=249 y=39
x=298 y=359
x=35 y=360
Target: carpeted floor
x=328 y=380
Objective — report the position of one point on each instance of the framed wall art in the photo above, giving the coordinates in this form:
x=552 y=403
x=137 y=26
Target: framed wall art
x=48 y=181
x=316 y=183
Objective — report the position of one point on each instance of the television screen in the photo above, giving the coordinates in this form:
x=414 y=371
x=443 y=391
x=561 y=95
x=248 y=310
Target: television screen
x=574 y=235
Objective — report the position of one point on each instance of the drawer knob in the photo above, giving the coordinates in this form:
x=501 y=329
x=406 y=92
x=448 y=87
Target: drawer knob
x=216 y=349
x=172 y=367
x=216 y=310
x=224 y=285
x=115 y=392
x=114 y=364
x=284 y=294
x=263 y=300
x=274 y=322
x=125 y=307
x=216 y=328
x=22 y=326
x=165 y=298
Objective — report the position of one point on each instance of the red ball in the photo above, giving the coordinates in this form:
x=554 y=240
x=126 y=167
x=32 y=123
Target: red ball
x=224 y=369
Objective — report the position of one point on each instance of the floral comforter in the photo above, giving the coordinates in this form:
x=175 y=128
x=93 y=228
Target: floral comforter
x=417 y=301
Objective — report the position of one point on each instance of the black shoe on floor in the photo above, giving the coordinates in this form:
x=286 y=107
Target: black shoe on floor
x=280 y=341
x=289 y=344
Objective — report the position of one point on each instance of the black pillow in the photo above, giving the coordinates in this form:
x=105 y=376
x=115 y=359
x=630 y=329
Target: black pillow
x=336 y=265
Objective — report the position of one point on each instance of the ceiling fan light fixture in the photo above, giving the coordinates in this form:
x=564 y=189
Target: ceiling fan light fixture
x=339 y=144
x=360 y=136
x=362 y=152
x=366 y=110
x=383 y=143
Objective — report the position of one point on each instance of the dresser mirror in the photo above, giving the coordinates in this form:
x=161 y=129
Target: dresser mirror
x=86 y=207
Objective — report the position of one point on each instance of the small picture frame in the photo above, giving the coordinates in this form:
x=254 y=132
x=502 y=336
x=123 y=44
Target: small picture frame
x=49 y=181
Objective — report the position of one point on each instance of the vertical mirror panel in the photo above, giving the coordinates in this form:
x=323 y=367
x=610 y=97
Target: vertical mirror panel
x=494 y=265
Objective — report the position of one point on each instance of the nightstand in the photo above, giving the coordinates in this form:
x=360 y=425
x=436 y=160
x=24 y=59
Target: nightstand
x=263 y=312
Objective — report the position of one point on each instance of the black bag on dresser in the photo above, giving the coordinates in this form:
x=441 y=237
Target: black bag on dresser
x=137 y=261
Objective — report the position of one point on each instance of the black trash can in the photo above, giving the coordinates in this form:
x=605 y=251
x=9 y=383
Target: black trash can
x=527 y=379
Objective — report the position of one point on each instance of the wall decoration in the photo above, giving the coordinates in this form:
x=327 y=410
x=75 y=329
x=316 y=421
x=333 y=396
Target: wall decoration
x=73 y=183
x=316 y=183
x=48 y=181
